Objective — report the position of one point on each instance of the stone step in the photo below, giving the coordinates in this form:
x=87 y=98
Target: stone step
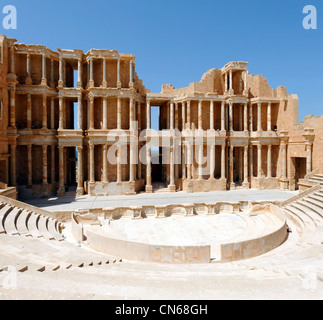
x=32 y=225
x=316 y=217
x=9 y=222
x=291 y=215
x=21 y=223
x=315 y=208
x=41 y=224
x=314 y=201
x=318 y=198
x=309 y=223
x=316 y=181
x=3 y=213
x=51 y=227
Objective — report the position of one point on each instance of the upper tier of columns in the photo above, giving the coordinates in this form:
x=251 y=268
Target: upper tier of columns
x=227 y=119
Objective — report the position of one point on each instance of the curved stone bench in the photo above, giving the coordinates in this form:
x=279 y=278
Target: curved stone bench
x=17 y=218
x=262 y=234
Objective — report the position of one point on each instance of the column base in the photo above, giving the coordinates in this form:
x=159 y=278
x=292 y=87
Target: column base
x=79 y=192
x=284 y=184
x=29 y=81
x=119 y=85
x=131 y=85
x=149 y=189
x=60 y=84
x=172 y=188
x=231 y=92
x=44 y=82
x=246 y=185
x=104 y=84
x=61 y=191
x=233 y=186
x=91 y=84
x=79 y=85
x=245 y=93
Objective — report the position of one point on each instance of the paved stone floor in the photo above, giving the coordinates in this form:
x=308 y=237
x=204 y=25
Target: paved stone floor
x=68 y=203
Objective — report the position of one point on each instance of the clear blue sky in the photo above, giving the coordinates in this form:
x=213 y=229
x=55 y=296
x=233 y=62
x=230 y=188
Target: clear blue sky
x=177 y=41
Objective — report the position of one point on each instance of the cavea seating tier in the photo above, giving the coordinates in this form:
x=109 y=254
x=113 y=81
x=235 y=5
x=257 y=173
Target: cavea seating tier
x=18 y=218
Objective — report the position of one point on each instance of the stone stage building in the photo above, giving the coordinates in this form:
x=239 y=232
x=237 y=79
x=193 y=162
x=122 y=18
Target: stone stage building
x=62 y=115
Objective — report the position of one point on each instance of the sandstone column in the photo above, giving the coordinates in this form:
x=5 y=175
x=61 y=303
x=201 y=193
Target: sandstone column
x=149 y=188
x=171 y=126
x=232 y=184
x=259 y=161
x=231 y=84
x=226 y=82
x=269 y=175
x=61 y=73
x=200 y=167
x=131 y=114
x=61 y=189
x=91 y=163
x=259 y=128
x=148 y=115
x=44 y=111
x=119 y=173
x=104 y=81
x=91 y=83
x=105 y=113
x=183 y=116
x=212 y=115
x=230 y=116
x=171 y=187
x=251 y=160
x=79 y=73
x=200 y=119
x=246 y=168
x=29 y=164
x=52 y=113
x=189 y=161
x=212 y=161
x=119 y=110
x=61 y=113
x=223 y=162
x=105 y=163
x=79 y=114
x=183 y=161
x=251 y=118
x=29 y=111
x=245 y=83
x=189 y=114
x=53 y=178
x=28 y=78
x=246 y=117
x=52 y=79
x=12 y=109
x=176 y=115
x=223 y=116
x=139 y=130
x=91 y=112
x=45 y=162
x=119 y=74
x=269 y=117
x=80 y=189
x=44 y=79
x=131 y=74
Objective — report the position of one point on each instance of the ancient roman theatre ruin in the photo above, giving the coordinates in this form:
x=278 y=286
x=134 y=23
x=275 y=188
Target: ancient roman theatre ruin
x=229 y=182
